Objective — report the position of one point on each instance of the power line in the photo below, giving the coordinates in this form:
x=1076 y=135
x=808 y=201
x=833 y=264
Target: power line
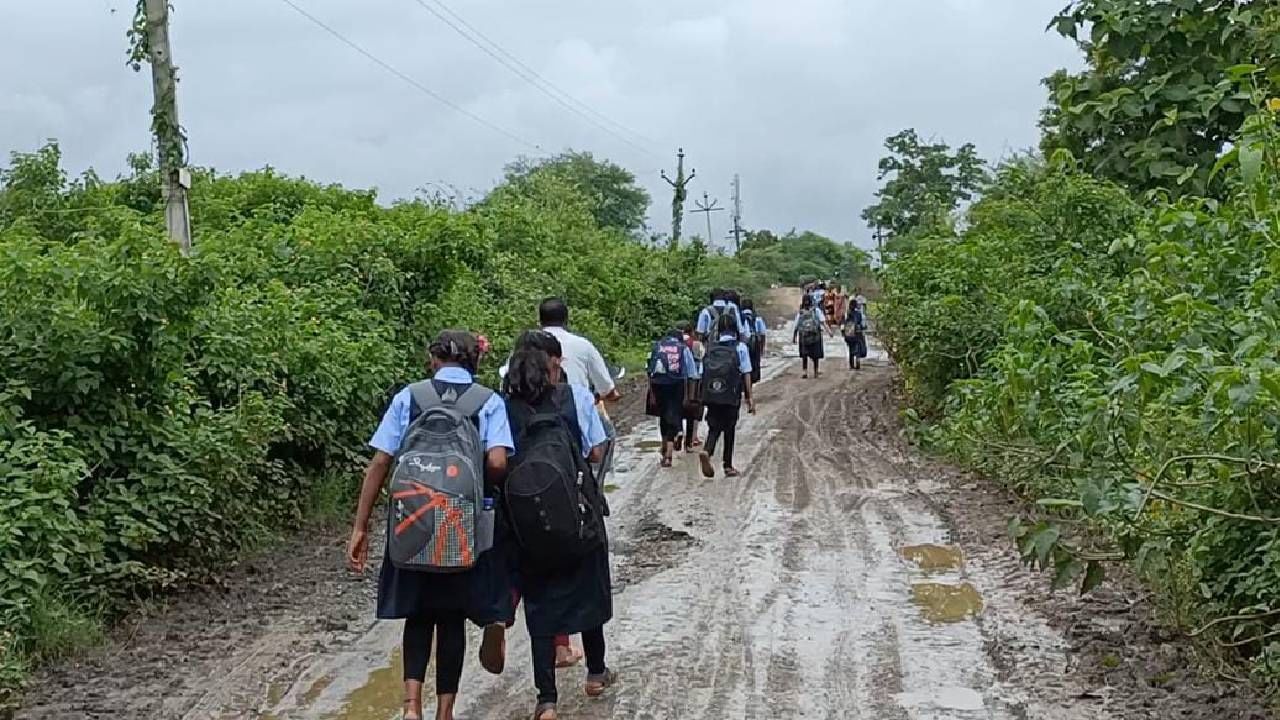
x=531 y=76
x=414 y=83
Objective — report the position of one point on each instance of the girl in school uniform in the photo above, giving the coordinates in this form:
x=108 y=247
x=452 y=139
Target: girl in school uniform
x=433 y=605
x=807 y=332
x=573 y=600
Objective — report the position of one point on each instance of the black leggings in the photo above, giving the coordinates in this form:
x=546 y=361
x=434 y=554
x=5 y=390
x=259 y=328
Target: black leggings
x=544 y=661
x=804 y=364
x=722 y=419
x=449 y=628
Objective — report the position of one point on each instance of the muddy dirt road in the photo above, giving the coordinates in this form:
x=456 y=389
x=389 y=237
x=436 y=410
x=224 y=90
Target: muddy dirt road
x=842 y=576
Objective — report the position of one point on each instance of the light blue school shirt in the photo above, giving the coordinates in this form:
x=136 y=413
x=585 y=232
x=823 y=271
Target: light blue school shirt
x=744 y=355
x=816 y=311
x=761 y=327
x=704 y=318
x=495 y=428
x=589 y=420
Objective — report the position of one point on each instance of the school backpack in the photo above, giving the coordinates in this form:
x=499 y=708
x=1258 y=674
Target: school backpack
x=666 y=361
x=555 y=508
x=437 y=521
x=808 y=327
x=853 y=326
x=756 y=342
x=721 y=375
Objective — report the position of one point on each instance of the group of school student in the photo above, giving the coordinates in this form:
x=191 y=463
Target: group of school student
x=823 y=310
x=493 y=499
x=704 y=371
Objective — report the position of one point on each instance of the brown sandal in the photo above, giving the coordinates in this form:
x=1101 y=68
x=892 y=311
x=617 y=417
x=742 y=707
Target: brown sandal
x=545 y=711
x=597 y=684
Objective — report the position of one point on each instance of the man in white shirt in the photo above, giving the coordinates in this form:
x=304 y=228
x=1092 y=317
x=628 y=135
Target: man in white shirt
x=582 y=363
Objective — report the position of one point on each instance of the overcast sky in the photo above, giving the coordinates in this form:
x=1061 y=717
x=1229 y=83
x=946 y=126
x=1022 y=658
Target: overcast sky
x=795 y=95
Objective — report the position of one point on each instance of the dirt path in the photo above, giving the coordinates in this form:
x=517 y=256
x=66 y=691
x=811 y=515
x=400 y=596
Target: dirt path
x=843 y=576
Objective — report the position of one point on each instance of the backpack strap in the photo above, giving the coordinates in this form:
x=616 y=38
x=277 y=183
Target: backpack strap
x=468 y=404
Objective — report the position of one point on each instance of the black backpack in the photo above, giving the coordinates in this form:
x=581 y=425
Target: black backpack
x=721 y=375
x=555 y=509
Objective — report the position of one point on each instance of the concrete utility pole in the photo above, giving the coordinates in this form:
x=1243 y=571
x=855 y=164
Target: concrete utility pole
x=879 y=236
x=737 y=214
x=169 y=140
x=677 y=203
x=707 y=206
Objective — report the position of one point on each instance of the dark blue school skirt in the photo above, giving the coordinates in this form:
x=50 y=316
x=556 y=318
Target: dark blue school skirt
x=483 y=592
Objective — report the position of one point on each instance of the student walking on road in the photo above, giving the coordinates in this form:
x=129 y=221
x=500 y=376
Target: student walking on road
x=426 y=573
x=759 y=334
x=671 y=365
x=557 y=511
x=693 y=409
x=855 y=335
x=808 y=329
x=582 y=365
x=726 y=379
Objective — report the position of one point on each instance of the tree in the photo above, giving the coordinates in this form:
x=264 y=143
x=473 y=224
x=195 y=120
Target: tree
x=923 y=182
x=797 y=257
x=1166 y=86
x=616 y=200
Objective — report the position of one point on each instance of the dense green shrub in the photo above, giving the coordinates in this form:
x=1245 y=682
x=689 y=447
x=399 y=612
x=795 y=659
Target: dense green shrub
x=1122 y=366
x=158 y=413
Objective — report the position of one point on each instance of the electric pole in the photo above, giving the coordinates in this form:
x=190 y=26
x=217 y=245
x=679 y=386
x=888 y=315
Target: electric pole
x=737 y=214
x=880 y=244
x=677 y=203
x=707 y=206
x=169 y=139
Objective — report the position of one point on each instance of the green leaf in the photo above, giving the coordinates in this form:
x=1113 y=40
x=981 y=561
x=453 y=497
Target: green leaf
x=1238 y=72
x=1043 y=542
x=1250 y=161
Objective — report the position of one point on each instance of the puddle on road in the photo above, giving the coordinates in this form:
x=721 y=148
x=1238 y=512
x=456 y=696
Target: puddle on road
x=649 y=444
x=942 y=603
x=933 y=558
x=380 y=696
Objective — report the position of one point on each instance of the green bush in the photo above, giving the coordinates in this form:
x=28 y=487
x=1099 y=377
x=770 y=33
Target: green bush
x=1120 y=365
x=159 y=413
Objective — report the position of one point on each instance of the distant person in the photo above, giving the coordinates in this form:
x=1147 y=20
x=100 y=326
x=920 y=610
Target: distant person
x=693 y=409
x=721 y=303
x=671 y=364
x=855 y=335
x=726 y=379
x=807 y=332
x=427 y=569
x=839 y=306
x=861 y=300
x=819 y=294
x=733 y=300
x=756 y=342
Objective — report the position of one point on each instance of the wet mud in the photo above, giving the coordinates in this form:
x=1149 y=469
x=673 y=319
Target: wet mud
x=842 y=576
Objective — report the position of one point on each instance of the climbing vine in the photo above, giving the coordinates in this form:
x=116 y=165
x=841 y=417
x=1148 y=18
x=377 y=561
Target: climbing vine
x=171 y=140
